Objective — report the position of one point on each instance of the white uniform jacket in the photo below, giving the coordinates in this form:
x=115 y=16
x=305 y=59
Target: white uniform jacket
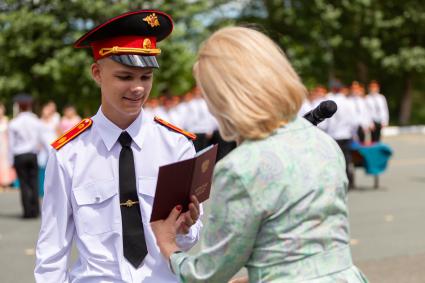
x=81 y=204
x=378 y=108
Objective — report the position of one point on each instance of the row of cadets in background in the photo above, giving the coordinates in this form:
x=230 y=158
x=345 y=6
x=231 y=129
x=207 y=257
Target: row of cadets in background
x=359 y=117
x=371 y=111
x=190 y=113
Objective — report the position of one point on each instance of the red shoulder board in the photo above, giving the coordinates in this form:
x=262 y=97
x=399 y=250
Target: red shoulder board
x=174 y=128
x=72 y=133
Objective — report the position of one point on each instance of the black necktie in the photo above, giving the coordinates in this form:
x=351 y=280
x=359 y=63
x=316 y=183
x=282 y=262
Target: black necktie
x=134 y=243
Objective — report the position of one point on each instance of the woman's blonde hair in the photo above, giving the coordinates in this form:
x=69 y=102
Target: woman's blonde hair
x=247 y=82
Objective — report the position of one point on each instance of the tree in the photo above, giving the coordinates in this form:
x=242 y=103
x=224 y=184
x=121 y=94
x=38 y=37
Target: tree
x=350 y=40
x=40 y=59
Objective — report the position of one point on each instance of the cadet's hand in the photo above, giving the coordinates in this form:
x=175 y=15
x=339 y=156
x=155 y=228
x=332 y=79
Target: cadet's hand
x=187 y=219
x=165 y=232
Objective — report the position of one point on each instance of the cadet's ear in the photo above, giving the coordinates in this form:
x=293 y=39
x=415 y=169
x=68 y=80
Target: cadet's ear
x=95 y=73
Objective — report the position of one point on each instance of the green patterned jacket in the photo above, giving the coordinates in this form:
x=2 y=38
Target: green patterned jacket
x=279 y=208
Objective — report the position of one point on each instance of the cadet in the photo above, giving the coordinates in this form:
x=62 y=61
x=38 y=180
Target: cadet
x=341 y=126
x=25 y=142
x=101 y=176
x=379 y=110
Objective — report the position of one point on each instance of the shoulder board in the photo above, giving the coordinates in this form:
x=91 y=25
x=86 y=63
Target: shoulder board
x=174 y=128
x=72 y=133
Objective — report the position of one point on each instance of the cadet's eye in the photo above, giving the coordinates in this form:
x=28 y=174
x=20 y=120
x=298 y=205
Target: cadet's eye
x=146 y=77
x=124 y=78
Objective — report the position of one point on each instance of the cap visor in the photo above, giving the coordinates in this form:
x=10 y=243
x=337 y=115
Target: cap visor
x=136 y=60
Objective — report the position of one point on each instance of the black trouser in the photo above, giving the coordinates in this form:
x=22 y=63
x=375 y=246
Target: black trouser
x=346 y=150
x=27 y=169
x=361 y=134
x=376 y=133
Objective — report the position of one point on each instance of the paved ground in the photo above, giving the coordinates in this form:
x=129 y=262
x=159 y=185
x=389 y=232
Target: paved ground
x=387 y=225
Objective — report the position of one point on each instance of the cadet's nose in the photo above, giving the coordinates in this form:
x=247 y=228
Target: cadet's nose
x=137 y=89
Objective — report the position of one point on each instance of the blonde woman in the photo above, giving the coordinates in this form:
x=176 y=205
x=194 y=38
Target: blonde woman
x=279 y=199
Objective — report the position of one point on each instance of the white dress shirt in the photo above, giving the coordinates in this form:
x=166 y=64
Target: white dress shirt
x=24 y=134
x=363 y=114
x=81 y=204
x=378 y=108
x=203 y=122
x=343 y=124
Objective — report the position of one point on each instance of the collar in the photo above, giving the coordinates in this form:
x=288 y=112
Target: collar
x=109 y=132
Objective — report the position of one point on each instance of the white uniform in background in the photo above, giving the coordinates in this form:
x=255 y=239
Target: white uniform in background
x=363 y=114
x=343 y=123
x=305 y=107
x=203 y=122
x=25 y=134
x=378 y=108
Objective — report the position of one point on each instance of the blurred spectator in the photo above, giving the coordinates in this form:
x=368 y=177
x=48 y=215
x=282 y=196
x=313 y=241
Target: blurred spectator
x=70 y=118
x=7 y=174
x=25 y=140
x=50 y=120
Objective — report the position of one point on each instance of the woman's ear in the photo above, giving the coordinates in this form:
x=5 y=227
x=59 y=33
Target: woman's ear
x=95 y=73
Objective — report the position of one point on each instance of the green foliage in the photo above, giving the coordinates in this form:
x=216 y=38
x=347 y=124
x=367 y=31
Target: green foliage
x=352 y=40
x=39 y=59
x=324 y=39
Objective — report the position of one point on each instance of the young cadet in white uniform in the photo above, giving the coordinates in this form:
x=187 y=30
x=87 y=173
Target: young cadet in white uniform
x=101 y=176
x=378 y=108
x=362 y=112
x=341 y=126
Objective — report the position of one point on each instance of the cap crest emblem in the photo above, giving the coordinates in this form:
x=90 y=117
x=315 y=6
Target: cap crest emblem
x=147 y=44
x=152 y=20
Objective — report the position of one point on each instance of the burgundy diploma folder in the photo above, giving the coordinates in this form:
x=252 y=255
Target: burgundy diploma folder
x=178 y=181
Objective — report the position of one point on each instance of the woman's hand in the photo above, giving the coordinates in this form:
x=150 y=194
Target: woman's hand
x=187 y=219
x=165 y=232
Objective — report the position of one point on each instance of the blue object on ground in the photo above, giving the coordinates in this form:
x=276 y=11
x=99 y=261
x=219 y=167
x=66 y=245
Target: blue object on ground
x=375 y=156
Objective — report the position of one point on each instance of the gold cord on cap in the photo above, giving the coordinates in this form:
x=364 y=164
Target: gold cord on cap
x=119 y=50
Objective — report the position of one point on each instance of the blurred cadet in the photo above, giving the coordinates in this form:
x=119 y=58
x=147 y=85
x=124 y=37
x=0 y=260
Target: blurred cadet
x=364 y=118
x=50 y=120
x=101 y=175
x=69 y=119
x=187 y=109
x=278 y=205
x=342 y=126
x=379 y=110
x=314 y=98
x=203 y=124
x=25 y=141
x=7 y=175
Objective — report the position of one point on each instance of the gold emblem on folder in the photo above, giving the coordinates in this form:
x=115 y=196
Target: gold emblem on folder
x=205 y=165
